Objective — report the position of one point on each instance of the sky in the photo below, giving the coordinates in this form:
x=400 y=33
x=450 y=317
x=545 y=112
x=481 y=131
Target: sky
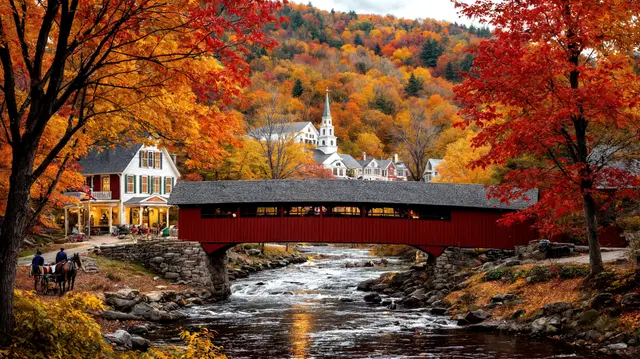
x=410 y=9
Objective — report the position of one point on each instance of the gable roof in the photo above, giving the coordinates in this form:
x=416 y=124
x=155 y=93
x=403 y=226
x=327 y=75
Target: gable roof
x=365 y=163
x=320 y=156
x=108 y=160
x=291 y=127
x=350 y=162
x=434 y=163
x=335 y=191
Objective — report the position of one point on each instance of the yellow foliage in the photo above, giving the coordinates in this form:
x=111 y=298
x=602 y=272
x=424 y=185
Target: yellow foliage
x=199 y=346
x=458 y=157
x=59 y=329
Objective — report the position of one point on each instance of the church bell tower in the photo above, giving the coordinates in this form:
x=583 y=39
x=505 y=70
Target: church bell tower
x=327 y=141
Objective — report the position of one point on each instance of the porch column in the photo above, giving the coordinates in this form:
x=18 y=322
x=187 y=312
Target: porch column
x=89 y=219
x=140 y=216
x=66 y=222
x=110 y=218
x=80 y=225
x=167 y=221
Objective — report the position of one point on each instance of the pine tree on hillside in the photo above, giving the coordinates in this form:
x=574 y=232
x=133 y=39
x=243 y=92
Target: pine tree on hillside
x=451 y=73
x=358 y=40
x=297 y=89
x=414 y=86
x=430 y=52
x=377 y=50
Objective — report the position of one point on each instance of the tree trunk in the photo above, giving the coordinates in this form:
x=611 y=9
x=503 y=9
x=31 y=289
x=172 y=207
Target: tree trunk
x=12 y=234
x=595 y=257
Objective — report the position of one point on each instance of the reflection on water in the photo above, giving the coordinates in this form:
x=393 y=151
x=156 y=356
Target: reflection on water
x=301 y=327
x=313 y=310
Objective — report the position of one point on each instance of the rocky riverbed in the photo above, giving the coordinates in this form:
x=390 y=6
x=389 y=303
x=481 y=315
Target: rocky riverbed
x=540 y=301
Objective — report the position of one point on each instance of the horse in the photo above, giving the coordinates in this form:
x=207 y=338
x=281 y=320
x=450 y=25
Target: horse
x=66 y=273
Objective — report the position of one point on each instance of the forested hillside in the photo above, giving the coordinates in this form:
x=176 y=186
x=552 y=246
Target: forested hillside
x=384 y=74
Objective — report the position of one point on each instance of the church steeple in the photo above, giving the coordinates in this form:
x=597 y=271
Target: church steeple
x=327 y=141
x=327 y=107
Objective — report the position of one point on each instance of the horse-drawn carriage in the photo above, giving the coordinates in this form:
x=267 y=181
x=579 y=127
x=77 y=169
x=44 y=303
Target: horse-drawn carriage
x=63 y=274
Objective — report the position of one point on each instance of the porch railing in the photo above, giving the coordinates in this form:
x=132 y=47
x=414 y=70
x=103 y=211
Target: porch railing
x=101 y=195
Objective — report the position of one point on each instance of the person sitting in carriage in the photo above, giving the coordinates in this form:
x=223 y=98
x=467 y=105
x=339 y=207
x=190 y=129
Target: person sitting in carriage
x=36 y=262
x=61 y=256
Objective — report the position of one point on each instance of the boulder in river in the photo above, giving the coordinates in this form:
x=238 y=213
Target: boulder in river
x=113 y=315
x=366 y=285
x=372 y=298
x=477 y=316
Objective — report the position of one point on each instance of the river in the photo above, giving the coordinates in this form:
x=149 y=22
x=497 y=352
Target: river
x=303 y=311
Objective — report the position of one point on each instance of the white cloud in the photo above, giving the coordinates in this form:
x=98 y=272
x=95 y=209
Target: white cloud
x=410 y=9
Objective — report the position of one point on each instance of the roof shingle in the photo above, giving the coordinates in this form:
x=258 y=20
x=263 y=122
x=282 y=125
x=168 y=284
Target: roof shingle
x=335 y=191
x=109 y=160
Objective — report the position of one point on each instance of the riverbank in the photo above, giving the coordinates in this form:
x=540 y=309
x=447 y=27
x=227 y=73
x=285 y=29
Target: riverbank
x=552 y=301
x=138 y=300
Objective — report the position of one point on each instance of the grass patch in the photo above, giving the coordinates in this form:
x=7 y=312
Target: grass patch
x=114 y=266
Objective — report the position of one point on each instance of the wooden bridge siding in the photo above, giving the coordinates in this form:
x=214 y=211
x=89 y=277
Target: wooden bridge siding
x=467 y=228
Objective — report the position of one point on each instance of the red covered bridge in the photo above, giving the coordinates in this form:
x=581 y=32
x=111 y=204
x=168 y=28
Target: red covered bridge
x=429 y=216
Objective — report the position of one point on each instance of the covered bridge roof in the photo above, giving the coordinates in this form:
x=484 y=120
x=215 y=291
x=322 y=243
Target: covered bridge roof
x=340 y=191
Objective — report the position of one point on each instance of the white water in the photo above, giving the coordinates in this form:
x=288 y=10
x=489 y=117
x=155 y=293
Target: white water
x=296 y=312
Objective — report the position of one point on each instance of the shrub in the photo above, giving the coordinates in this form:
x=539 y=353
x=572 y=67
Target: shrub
x=199 y=345
x=113 y=277
x=58 y=329
x=506 y=274
x=539 y=274
x=573 y=271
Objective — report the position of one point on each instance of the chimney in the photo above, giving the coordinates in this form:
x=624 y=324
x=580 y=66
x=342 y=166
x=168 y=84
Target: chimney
x=395 y=158
x=174 y=159
x=364 y=156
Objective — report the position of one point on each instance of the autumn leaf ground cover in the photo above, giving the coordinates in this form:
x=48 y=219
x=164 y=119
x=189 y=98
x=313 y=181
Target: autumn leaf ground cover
x=533 y=296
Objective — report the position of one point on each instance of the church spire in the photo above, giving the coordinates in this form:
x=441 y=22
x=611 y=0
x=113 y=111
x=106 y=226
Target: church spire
x=327 y=108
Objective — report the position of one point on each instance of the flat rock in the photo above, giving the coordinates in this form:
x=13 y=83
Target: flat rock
x=372 y=298
x=556 y=308
x=123 y=305
x=630 y=301
x=602 y=300
x=139 y=343
x=120 y=338
x=113 y=315
x=477 y=316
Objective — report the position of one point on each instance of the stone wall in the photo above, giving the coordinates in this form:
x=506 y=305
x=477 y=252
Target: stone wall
x=452 y=260
x=184 y=262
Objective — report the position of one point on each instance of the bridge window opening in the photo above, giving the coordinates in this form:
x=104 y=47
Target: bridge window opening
x=262 y=211
x=430 y=213
x=388 y=212
x=299 y=211
x=217 y=212
x=342 y=212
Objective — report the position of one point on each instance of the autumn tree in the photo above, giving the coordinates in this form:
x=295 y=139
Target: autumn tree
x=457 y=166
x=414 y=135
x=275 y=136
x=369 y=143
x=141 y=70
x=563 y=70
x=431 y=51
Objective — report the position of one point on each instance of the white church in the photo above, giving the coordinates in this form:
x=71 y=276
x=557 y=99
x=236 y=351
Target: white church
x=341 y=165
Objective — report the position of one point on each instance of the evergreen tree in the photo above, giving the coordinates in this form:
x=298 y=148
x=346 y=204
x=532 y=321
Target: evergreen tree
x=467 y=63
x=297 y=89
x=358 y=40
x=450 y=73
x=378 y=50
x=414 y=86
x=430 y=53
